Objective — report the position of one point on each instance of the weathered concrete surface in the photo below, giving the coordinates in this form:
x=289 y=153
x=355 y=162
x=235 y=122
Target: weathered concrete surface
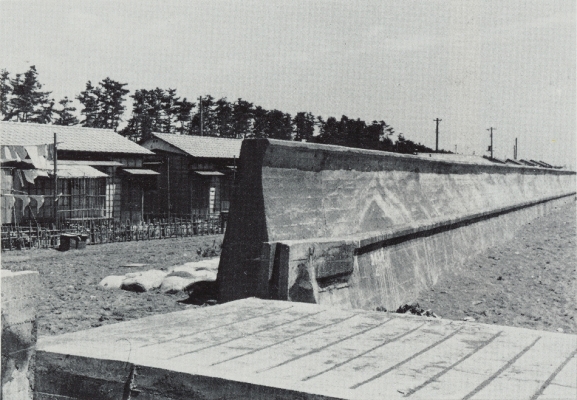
x=18 y=291
x=390 y=271
x=263 y=349
x=361 y=228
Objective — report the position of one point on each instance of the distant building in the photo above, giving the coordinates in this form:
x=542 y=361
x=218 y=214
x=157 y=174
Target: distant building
x=100 y=174
x=196 y=175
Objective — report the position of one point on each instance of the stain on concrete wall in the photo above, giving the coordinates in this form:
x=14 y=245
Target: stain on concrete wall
x=19 y=330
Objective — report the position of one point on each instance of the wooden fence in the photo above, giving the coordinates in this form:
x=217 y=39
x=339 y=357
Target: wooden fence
x=15 y=237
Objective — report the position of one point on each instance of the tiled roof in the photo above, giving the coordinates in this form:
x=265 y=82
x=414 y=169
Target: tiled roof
x=203 y=146
x=72 y=138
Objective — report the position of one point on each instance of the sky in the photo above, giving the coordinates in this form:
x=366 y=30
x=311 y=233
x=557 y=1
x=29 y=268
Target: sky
x=474 y=64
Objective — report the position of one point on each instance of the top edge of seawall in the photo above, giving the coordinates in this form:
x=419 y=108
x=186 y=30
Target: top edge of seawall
x=349 y=154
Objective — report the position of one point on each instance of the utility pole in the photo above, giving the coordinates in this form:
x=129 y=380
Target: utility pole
x=201 y=122
x=55 y=199
x=515 y=155
x=491 y=129
x=437 y=137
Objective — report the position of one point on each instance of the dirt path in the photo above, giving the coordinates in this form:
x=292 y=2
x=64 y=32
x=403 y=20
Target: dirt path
x=529 y=281
x=69 y=298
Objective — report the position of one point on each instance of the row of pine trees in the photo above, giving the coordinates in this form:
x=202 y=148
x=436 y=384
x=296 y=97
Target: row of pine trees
x=162 y=110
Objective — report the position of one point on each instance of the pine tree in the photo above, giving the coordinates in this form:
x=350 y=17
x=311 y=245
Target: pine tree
x=112 y=102
x=209 y=125
x=260 y=122
x=103 y=104
x=223 y=114
x=90 y=99
x=169 y=110
x=65 y=116
x=304 y=126
x=27 y=102
x=242 y=114
x=5 y=92
x=183 y=115
x=279 y=125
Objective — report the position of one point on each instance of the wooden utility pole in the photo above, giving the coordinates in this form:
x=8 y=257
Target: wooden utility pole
x=437 y=120
x=201 y=121
x=55 y=199
x=491 y=129
x=168 y=185
x=515 y=155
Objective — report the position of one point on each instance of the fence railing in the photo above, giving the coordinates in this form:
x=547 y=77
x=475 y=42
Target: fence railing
x=16 y=237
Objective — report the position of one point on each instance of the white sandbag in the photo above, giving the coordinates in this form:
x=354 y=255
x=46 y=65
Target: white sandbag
x=146 y=281
x=174 y=284
x=112 y=282
x=202 y=275
x=193 y=267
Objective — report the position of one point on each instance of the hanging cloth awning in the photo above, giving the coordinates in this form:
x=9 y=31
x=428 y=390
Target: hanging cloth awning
x=37 y=155
x=78 y=171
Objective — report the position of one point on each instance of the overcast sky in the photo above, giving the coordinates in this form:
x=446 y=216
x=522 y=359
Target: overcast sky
x=474 y=64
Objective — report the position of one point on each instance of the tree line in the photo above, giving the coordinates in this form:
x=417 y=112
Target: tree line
x=163 y=111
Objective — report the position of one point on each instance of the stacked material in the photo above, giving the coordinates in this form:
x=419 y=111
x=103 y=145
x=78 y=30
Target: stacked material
x=176 y=279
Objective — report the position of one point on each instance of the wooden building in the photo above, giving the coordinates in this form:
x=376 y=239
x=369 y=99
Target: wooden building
x=100 y=174
x=196 y=175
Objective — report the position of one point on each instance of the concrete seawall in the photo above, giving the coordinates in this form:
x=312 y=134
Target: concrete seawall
x=359 y=228
x=19 y=291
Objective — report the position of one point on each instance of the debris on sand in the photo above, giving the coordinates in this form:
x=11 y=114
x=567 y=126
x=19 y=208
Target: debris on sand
x=415 y=309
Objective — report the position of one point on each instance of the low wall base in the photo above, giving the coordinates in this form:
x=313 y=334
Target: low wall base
x=386 y=271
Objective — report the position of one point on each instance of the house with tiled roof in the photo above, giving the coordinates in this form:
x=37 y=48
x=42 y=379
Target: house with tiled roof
x=196 y=174
x=100 y=174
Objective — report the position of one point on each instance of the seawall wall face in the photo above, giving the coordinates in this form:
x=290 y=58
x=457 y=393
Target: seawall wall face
x=19 y=332
x=291 y=195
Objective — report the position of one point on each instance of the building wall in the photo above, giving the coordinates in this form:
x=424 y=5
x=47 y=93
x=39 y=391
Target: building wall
x=6 y=180
x=190 y=194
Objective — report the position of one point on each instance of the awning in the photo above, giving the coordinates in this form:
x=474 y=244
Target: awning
x=140 y=171
x=79 y=171
x=90 y=162
x=209 y=173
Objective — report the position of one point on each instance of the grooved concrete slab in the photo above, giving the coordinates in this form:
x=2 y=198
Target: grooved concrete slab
x=272 y=349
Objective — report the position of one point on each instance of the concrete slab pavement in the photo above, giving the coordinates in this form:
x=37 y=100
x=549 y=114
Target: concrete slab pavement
x=272 y=349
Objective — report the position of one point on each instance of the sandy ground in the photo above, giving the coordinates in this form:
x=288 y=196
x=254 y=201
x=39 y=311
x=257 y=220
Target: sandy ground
x=69 y=296
x=529 y=281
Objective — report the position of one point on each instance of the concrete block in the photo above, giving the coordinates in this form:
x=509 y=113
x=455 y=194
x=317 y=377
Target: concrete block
x=19 y=333
x=263 y=349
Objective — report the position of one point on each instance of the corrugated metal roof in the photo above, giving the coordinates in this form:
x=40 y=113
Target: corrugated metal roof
x=90 y=162
x=71 y=138
x=140 y=171
x=203 y=146
x=209 y=173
